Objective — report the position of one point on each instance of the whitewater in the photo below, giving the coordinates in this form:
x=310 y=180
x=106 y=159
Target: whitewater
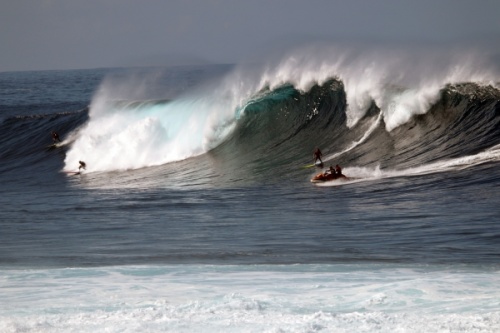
x=304 y=298
x=196 y=212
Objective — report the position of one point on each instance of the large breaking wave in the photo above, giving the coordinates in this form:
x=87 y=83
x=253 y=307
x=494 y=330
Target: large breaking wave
x=307 y=92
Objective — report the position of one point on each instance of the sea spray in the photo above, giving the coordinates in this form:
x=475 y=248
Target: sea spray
x=132 y=134
x=402 y=83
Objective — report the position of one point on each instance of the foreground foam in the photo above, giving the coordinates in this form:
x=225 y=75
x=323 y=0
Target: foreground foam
x=299 y=298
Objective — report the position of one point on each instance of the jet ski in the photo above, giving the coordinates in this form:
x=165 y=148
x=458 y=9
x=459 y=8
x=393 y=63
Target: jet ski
x=327 y=176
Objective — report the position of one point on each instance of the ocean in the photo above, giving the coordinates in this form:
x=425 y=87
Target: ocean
x=196 y=211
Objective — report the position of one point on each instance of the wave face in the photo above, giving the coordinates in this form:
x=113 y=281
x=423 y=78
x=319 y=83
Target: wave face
x=376 y=110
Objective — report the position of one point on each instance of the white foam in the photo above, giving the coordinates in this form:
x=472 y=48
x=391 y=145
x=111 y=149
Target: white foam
x=119 y=137
x=299 y=298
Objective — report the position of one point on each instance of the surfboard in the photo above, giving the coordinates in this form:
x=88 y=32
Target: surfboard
x=72 y=173
x=54 y=146
x=317 y=164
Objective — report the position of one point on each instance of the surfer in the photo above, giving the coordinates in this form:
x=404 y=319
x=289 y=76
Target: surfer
x=317 y=156
x=82 y=165
x=55 y=137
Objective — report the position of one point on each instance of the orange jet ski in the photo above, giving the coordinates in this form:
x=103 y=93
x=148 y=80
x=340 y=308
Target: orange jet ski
x=327 y=176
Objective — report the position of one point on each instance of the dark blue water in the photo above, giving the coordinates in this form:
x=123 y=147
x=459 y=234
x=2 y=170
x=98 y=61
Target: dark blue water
x=425 y=194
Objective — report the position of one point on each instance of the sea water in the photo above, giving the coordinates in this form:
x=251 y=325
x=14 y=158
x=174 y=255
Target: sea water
x=204 y=219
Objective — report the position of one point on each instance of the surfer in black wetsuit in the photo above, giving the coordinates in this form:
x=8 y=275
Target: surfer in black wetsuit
x=317 y=156
x=82 y=165
x=55 y=137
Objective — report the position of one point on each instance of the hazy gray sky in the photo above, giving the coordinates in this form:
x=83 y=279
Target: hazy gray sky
x=64 y=34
